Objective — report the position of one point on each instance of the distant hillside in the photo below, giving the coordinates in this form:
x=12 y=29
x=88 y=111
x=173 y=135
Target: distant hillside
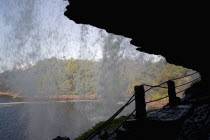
x=74 y=76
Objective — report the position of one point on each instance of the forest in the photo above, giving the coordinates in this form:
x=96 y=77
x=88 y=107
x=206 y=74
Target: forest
x=77 y=77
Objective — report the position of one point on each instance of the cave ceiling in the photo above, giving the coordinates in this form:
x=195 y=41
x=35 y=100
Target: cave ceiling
x=175 y=30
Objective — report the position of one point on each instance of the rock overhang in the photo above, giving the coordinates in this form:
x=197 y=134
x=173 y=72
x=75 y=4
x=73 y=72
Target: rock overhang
x=173 y=30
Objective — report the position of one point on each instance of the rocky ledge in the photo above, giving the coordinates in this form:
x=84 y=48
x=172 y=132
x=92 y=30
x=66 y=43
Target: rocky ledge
x=190 y=120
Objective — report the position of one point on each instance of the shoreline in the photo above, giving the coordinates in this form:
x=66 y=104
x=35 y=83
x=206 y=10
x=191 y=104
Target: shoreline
x=9 y=97
x=45 y=102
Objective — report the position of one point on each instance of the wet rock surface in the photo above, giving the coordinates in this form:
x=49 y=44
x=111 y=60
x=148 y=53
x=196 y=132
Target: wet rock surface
x=170 y=113
x=188 y=121
x=197 y=126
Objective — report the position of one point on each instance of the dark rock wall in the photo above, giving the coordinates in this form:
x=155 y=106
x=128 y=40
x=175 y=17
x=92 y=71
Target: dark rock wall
x=197 y=126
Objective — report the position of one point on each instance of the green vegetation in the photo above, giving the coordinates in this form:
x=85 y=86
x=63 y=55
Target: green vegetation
x=116 y=122
x=76 y=76
x=158 y=96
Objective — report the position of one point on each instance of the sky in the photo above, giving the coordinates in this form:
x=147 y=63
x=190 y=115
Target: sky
x=32 y=30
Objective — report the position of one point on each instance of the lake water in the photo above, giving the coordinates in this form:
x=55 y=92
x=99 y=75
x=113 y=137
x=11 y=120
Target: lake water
x=46 y=120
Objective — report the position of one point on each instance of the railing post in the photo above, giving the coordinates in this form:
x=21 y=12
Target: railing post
x=140 y=102
x=173 y=100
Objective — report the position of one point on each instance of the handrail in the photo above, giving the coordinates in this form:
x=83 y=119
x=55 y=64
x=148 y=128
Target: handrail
x=164 y=97
x=122 y=123
x=109 y=120
x=151 y=102
x=92 y=135
x=135 y=110
x=173 y=80
x=154 y=86
x=188 y=82
x=184 y=76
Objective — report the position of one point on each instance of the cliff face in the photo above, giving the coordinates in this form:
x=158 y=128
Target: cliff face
x=175 y=30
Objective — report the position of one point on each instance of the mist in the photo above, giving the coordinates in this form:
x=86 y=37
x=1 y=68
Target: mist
x=34 y=33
